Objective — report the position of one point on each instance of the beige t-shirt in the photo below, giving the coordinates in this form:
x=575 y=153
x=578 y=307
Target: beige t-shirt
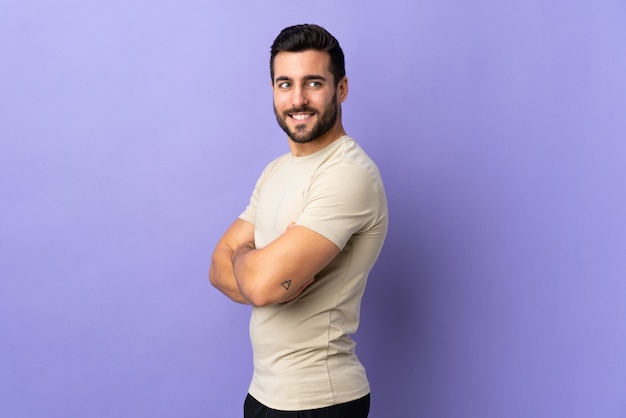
x=303 y=354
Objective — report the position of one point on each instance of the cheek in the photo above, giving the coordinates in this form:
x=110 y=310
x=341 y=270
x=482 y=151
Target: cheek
x=280 y=102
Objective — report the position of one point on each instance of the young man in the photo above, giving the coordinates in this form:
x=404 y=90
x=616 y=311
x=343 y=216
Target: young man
x=301 y=251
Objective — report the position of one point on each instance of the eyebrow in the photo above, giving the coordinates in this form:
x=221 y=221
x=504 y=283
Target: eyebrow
x=306 y=78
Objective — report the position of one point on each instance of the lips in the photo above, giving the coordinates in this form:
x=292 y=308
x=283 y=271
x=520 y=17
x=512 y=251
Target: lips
x=300 y=114
x=300 y=117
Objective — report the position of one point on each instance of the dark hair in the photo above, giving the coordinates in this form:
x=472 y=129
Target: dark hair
x=300 y=38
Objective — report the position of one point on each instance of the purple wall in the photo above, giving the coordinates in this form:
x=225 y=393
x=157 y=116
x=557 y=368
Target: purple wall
x=132 y=134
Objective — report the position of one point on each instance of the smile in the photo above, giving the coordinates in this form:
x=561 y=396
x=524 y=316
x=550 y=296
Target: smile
x=301 y=116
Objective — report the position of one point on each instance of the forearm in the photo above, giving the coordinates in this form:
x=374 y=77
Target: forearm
x=258 y=282
x=221 y=270
x=277 y=273
x=222 y=276
x=244 y=278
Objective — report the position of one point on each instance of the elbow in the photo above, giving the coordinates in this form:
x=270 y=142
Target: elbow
x=257 y=295
x=253 y=281
x=260 y=302
x=213 y=276
x=257 y=290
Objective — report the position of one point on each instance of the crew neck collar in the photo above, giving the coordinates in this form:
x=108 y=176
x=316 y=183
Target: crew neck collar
x=320 y=152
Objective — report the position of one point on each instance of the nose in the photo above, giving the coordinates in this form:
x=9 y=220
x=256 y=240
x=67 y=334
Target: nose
x=298 y=97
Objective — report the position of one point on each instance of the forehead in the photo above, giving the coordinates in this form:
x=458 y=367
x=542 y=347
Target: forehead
x=301 y=64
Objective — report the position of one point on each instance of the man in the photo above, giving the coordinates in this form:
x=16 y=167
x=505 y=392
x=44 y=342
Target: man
x=301 y=252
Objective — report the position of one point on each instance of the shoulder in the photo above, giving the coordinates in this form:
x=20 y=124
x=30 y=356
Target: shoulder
x=348 y=161
x=349 y=178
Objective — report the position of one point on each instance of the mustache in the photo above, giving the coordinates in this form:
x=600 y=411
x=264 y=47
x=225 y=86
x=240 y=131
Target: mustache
x=302 y=109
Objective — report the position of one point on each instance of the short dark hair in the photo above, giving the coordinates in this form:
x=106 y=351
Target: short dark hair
x=300 y=38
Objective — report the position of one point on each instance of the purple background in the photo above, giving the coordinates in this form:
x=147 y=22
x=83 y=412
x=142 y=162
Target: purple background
x=133 y=132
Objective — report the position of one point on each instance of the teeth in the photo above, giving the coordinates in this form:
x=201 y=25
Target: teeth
x=300 y=117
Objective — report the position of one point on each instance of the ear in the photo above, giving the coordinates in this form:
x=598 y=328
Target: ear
x=342 y=89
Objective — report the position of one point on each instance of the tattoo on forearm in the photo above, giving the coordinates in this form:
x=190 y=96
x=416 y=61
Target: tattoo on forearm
x=286 y=284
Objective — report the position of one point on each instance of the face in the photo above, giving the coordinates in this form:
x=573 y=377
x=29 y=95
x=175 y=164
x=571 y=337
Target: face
x=306 y=103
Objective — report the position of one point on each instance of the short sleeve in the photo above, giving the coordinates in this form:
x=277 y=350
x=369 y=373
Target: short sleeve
x=249 y=214
x=342 y=200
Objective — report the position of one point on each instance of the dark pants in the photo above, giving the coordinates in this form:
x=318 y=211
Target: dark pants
x=353 y=409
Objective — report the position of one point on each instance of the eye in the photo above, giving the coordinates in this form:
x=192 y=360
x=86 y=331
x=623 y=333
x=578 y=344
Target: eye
x=284 y=85
x=315 y=84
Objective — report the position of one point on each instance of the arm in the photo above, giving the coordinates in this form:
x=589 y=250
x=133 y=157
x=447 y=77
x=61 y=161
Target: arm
x=221 y=270
x=280 y=271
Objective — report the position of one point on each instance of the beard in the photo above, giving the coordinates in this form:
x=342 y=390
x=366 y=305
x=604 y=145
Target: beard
x=299 y=134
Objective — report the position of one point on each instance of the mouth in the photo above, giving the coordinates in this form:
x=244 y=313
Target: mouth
x=300 y=116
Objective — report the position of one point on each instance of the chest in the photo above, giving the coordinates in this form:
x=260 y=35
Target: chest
x=281 y=201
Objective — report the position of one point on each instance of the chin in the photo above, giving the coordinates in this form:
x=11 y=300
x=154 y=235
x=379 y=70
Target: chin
x=304 y=140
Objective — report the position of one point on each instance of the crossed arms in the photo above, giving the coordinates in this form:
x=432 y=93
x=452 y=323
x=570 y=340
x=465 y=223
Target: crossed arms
x=276 y=273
